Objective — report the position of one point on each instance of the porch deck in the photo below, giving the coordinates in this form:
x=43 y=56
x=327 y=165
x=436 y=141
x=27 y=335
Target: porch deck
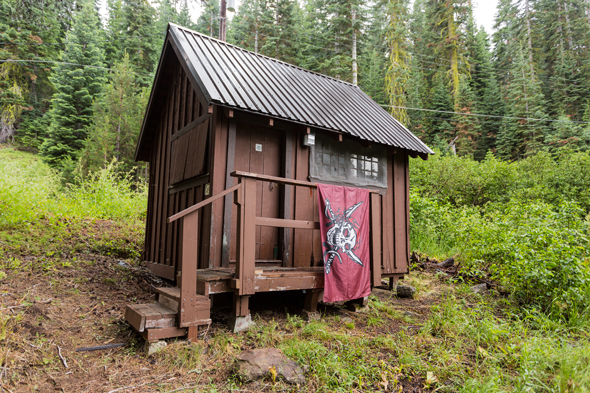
x=180 y=311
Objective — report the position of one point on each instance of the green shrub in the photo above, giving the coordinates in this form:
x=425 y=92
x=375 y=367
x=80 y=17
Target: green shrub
x=542 y=177
x=534 y=250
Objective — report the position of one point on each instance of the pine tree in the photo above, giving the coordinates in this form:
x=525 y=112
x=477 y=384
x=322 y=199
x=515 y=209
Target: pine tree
x=208 y=22
x=398 y=72
x=373 y=57
x=144 y=41
x=252 y=26
x=486 y=90
x=568 y=136
x=331 y=26
x=184 y=17
x=519 y=138
x=117 y=120
x=447 y=20
x=115 y=32
x=25 y=88
x=76 y=87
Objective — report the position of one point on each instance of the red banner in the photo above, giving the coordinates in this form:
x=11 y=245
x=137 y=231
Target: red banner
x=344 y=219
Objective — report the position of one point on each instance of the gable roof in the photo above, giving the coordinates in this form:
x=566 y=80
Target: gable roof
x=237 y=78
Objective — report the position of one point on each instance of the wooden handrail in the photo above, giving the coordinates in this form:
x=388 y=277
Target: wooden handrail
x=202 y=204
x=280 y=180
x=285 y=223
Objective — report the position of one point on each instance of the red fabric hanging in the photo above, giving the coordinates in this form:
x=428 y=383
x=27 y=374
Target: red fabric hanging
x=344 y=219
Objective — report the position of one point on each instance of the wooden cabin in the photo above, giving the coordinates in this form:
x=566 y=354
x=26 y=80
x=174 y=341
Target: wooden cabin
x=236 y=143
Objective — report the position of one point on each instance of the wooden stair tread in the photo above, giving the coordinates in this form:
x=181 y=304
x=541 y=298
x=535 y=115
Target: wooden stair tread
x=150 y=316
x=153 y=310
x=172 y=292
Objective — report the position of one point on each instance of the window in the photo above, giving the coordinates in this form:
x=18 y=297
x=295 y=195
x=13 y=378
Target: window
x=348 y=163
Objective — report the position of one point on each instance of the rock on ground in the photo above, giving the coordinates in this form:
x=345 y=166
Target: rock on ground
x=255 y=364
x=152 y=348
x=406 y=291
x=480 y=288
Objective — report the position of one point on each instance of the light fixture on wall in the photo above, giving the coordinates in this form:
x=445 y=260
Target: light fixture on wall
x=309 y=139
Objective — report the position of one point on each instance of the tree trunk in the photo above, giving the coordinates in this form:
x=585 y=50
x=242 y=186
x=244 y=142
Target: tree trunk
x=567 y=26
x=529 y=36
x=354 y=66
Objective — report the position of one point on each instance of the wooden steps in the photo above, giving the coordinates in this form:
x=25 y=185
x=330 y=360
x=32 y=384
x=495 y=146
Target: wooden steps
x=160 y=320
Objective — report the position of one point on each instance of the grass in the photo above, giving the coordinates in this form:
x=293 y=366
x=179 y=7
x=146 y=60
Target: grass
x=41 y=217
x=59 y=252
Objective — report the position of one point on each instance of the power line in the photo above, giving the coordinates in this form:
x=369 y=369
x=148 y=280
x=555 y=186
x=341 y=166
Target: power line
x=455 y=120
x=62 y=62
x=484 y=115
x=76 y=43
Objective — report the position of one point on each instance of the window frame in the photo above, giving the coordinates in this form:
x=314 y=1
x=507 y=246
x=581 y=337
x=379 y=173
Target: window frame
x=345 y=152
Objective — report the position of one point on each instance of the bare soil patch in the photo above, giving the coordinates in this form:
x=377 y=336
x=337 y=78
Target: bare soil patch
x=77 y=302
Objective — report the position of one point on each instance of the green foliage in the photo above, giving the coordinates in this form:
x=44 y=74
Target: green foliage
x=76 y=87
x=117 y=121
x=526 y=224
x=30 y=192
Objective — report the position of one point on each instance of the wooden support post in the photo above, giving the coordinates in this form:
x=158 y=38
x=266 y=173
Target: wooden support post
x=312 y=297
x=187 y=306
x=247 y=229
x=241 y=305
x=239 y=201
x=376 y=239
x=192 y=333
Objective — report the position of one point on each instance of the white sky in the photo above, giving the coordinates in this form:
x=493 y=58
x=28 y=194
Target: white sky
x=483 y=10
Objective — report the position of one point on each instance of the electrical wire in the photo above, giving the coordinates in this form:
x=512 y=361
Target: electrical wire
x=77 y=43
x=62 y=62
x=484 y=115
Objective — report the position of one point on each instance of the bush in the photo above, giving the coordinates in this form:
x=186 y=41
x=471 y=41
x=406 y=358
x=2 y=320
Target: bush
x=536 y=251
x=463 y=181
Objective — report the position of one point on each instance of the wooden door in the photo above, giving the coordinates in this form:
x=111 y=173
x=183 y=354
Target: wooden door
x=258 y=150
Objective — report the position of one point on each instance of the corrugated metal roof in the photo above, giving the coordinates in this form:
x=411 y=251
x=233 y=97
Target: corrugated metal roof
x=237 y=78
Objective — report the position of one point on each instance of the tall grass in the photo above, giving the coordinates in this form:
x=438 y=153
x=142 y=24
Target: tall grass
x=31 y=191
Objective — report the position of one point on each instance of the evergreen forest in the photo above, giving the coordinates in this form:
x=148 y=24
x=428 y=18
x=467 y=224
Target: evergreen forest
x=75 y=77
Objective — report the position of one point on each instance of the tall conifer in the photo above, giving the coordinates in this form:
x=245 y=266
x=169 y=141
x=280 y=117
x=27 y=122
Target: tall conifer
x=76 y=87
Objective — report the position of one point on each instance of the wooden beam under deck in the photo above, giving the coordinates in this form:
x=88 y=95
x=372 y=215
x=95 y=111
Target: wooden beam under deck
x=213 y=281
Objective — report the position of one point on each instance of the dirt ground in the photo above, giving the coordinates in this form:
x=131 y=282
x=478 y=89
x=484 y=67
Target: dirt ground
x=52 y=307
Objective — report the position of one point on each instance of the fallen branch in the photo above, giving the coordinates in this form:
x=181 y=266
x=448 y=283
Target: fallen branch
x=100 y=347
x=63 y=360
x=128 y=387
x=5 y=388
x=26 y=305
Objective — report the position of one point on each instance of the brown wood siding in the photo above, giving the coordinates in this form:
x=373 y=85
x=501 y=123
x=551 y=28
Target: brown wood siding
x=213 y=214
x=395 y=215
x=163 y=240
x=307 y=245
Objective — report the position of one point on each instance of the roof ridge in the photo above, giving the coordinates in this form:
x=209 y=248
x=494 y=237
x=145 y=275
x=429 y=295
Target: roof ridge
x=263 y=56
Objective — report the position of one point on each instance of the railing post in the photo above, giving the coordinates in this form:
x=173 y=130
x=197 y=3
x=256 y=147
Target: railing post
x=248 y=227
x=187 y=306
x=376 y=239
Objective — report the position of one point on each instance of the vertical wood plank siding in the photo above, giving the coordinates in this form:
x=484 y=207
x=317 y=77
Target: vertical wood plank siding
x=163 y=240
x=298 y=247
